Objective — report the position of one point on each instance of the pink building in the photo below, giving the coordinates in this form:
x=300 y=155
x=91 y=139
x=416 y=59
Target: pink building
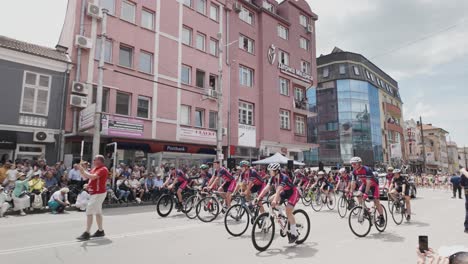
x=163 y=70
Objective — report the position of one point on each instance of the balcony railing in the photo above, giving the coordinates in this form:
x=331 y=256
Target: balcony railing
x=393 y=109
x=304 y=107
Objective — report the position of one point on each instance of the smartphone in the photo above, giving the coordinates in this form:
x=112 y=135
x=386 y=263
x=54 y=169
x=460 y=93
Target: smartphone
x=423 y=244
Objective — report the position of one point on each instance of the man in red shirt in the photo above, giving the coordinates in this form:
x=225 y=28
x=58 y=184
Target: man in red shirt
x=97 y=189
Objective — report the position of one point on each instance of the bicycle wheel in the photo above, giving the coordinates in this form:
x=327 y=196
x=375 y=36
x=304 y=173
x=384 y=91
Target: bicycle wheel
x=397 y=213
x=263 y=232
x=302 y=224
x=190 y=207
x=207 y=209
x=359 y=221
x=164 y=205
x=236 y=220
x=307 y=198
x=331 y=201
x=382 y=227
x=342 y=207
x=316 y=202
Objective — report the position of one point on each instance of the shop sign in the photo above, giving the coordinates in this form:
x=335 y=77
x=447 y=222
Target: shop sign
x=298 y=74
x=120 y=126
x=175 y=148
x=197 y=135
x=87 y=118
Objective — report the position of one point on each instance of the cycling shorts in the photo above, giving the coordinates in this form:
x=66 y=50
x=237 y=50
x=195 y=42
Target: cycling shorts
x=373 y=191
x=291 y=196
x=181 y=185
x=399 y=189
x=229 y=186
x=257 y=188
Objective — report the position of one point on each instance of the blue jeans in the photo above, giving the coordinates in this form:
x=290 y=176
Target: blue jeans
x=123 y=194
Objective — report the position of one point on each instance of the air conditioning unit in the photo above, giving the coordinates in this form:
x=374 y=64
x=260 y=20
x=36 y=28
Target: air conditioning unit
x=78 y=101
x=94 y=11
x=224 y=131
x=80 y=88
x=212 y=94
x=310 y=28
x=237 y=7
x=83 y=42
x=43 y=136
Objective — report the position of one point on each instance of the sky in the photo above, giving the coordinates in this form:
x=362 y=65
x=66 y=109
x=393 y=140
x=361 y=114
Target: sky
x=423 y=44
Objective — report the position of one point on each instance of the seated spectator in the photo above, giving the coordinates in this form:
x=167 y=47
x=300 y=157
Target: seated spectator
x=59 y=200
x=149 y=185
x=110 y=192
x=136 y=189
x=63 y=181
x=21 y=200
x=82 y=199
x=11 y=176
x=123 y=189
x=5 y=200
x=37 y=191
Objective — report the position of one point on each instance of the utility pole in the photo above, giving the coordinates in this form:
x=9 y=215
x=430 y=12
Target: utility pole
x=423 y=145
x=219 y=134
x=97 y=114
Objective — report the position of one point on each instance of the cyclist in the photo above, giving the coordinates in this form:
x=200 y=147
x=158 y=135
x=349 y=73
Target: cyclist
x=368 y=183
x=254 y=182
x=229 y=183
x=343 y=180
x=205 y=176
x=285 y=191
x=179 y=182
x=389 y=178
x=400 y=185
x=323 y=182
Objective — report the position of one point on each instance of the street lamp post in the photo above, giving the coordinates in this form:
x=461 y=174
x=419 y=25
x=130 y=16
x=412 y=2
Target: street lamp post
x=423 y=145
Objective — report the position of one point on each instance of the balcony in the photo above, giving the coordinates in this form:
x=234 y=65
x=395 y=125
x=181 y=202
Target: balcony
x=304 y=108
x=393 y=109
x=393 y=127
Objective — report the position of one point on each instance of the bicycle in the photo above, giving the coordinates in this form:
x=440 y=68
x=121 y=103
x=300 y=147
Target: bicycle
x=398 y=210
x=307 y=196
x=191 y=203
x=240 y=216
x=207 y=209
x=264 y=225
x=167 y=200
x=345 y=203
x=363 y=217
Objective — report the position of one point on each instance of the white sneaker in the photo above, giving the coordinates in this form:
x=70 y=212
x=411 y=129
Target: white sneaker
x=22 y=213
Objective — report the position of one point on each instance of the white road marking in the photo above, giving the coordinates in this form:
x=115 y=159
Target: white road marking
x=74 y=242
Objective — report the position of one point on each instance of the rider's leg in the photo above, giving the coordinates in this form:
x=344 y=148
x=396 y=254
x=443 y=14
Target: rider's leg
x=291 y=219
x=408 y=204
x=179 y=195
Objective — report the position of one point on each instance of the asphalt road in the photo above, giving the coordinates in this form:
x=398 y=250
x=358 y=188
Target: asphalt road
x=139 y=235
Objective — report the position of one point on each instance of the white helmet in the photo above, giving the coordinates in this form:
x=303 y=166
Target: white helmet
x=355 y=160
x=395 y=171
x=342 y=170
x=274 y=166
x=297 y=171
x=321 y=173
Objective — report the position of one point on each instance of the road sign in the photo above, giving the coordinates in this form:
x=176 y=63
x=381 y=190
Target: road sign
x=87 y=118
x=221 y=156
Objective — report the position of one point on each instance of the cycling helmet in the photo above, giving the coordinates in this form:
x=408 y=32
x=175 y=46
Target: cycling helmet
x=244 y=163
x=297 y=171
x=390 y=169
x=321 y=173
x=396 y=171
x=355 y=160
x=376 y=174
x=274 y=166
x=204 y=167
x=342 y=170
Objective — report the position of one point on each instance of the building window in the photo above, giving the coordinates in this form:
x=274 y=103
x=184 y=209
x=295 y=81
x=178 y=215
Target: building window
x=200 y=43
x=304 y=43
x=284 y=119
x=283 y=32
x=214 y=47
x=185 y=115
x=268 y=6
x=212 y=82
x=186 y=74
x=298 y=94
x=35 y=97
x=246 y=44
x=108 y=50
x=126 y=56
x=146 y=62
x=122 y=106
x=105 y=98
x=143 y=109
x=284 y=86
x=246 y=76
x=342 y=69
x=246 y=113
x=188 y=3
x=214 y=12
x=372 y=77
x=325 y=73
x=331 y=126
x=128 y=11
x=305 y=67
x=199 y=117
x=300 y=125
x=147 y=19
x=187 y=36
x=283 y=57
x=200 y=79
x=303 y=20
x=109 y=5
x=246 y=16
x=213 y=120
x=356 y=70
x=201 y=6
x=368 y=74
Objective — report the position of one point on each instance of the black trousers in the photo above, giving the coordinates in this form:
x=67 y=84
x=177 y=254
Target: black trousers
x=455 y=189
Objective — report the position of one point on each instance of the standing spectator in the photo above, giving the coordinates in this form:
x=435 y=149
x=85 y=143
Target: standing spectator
x=455 y=180
x=4 y=202
x=97 y=189
x=82 y=199
x=74 y=175
x=3 y=171
x=464 y=183
x=11 y=177
x=59 y=200
x=20 y=198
